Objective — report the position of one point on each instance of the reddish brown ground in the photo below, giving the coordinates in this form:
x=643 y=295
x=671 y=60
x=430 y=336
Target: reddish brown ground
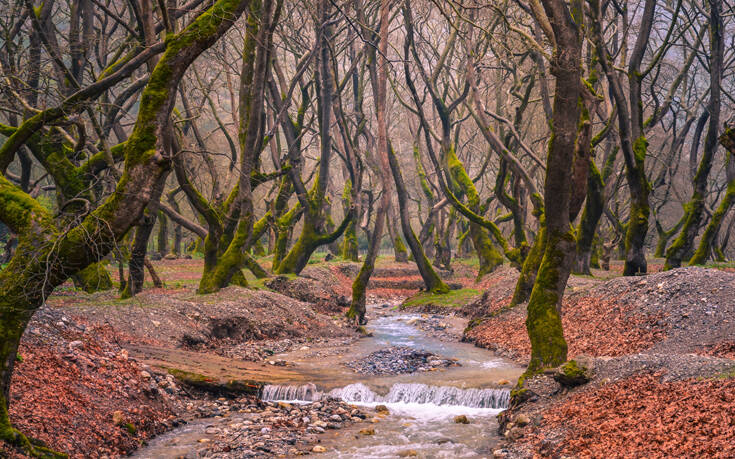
x=591 y=326
x=66 y=397
x=644 y=417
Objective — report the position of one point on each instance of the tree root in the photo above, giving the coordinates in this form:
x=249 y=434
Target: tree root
x=30 y=446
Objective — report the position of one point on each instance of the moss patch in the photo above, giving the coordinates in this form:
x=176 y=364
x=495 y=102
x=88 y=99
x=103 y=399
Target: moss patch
x=453 y=299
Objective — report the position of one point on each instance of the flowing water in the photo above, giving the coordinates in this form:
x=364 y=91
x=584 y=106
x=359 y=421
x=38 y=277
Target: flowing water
x=422 y=405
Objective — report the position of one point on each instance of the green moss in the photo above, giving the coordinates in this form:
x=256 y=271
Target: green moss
x=93 y=278
x=543 y=322
x=640 y=149
x=132 y=430
x=572 y=370
x=452 y=299
x=188 y=376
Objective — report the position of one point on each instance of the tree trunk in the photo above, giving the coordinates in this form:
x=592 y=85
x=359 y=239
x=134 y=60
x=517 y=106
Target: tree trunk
x=590 y=218
x=349 y=243
x=684 y=244
x=162 y=234
x=432 y=281
x=727 y=139
x=399 y=249
x=548 y=347
x=93 y=278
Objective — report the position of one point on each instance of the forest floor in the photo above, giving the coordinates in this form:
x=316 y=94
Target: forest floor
x=97 y=376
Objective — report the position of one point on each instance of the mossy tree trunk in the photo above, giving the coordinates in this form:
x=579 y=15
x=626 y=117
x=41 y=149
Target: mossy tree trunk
x=727 y=139
x=93 y=278
x=489 y=257
x=399 y=248
x=664 y=236
x=136 y=263
x=313 y=234
x=431 y=280
x=162 y=239
x=255 y=62
x=590 y=217
x=633 y=142
x=548 y=346
x=684 y=243
x=349 y=250
x=46 y=256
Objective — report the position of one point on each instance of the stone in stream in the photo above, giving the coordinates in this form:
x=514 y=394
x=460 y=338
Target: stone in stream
x=408 y=453
x=367 y=431
x=318 y=449
x=382 y=409
x=461 y=419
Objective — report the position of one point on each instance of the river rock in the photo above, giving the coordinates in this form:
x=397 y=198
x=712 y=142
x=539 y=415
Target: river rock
x=318 y=449
x=522 y=420
x=382 y=409
x=367 y=431
x=408 y=453
x=461 y=419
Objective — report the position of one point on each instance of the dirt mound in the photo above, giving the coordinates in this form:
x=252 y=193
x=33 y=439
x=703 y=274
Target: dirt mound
x=309 y=291
x=80 y=393
x=687 y=310
x=220 y=321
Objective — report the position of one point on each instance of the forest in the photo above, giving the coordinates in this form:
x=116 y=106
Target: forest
x=367 y=228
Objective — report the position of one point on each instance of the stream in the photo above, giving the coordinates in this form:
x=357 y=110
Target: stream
x=422 y=405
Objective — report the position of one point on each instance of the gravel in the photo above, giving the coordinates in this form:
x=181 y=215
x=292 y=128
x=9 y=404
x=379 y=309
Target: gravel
x=399 y=360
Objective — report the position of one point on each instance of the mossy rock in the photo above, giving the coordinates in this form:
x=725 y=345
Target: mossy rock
x=572 y=374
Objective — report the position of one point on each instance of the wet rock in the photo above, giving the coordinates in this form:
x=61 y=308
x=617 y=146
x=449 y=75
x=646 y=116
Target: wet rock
x=461 y=419
x=408 y=453
x=367 y=431
x=382 y=409
x=318 y=449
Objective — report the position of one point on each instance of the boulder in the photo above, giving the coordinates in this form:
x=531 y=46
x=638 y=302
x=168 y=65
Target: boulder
x=572 y=374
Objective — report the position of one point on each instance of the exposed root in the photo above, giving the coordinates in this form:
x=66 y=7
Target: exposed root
x=30 y=446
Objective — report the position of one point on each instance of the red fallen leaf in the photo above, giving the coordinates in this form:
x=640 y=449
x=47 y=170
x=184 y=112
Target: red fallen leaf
x=644 y=417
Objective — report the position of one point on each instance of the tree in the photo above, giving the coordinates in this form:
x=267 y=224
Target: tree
x=47 y=254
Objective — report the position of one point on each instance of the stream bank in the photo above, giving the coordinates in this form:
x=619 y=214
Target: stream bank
x=374 y=415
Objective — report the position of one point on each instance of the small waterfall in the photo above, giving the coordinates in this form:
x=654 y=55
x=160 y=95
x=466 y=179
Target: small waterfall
x=305 y=393
x=424 y=394
x=356 y=393
x=399 y=393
